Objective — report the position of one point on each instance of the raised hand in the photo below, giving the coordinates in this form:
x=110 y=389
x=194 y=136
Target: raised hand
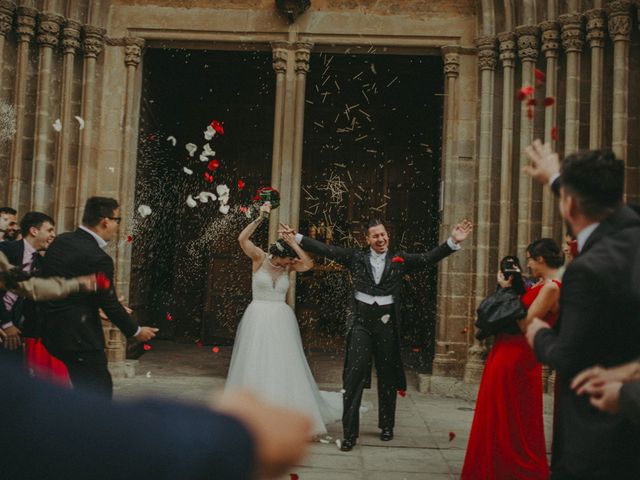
x=461 y=231
x=544 y=162
x=289 y=237
x=284 y=228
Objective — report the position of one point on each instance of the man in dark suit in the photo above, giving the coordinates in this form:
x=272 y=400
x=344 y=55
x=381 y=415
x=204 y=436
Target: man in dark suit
x=73 y=329
x=599 y=312
x=53 y=433
x=38 y=232
x=8 y=224
x=374 y=320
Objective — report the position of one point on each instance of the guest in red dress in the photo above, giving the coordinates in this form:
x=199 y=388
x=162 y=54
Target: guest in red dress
x=507 y=434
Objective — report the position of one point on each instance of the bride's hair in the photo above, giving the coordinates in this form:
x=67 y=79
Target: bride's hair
x=282 y=249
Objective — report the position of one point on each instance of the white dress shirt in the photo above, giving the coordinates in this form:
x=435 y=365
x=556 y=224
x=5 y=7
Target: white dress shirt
x=10 y=298
x=584 y=235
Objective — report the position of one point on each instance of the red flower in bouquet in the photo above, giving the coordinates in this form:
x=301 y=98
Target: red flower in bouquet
x=217 y=126
x=241 y=184
x=213 y=165
x=102 y=281
x=397 y=259
x=208 y=177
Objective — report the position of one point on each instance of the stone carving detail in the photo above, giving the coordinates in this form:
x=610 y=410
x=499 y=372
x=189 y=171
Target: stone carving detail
x=7 y=9
x=93 y=41
x=303 y=53
x=133 y=51
x=280 y=52
x=507 y=48
x=572 y=34
x=71 y=36
x=596 y=27
x=550 y=39
x=49 y=29
x=451 y=61
x=619 y=20
x=25 y=23
x=487 y=54
x=527 y=42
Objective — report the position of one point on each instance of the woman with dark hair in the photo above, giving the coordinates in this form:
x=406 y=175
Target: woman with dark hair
x=507 y=434
x=268 y=357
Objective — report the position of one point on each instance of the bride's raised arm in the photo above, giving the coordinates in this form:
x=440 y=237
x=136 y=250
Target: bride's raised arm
x=244 y=239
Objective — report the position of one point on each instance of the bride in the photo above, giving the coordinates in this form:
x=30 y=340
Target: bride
x=268 y=357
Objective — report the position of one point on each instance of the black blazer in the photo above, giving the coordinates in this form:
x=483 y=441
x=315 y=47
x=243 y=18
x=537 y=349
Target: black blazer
x=52 y=433
x=73 y=324
x=599 y=323
x=359 y=264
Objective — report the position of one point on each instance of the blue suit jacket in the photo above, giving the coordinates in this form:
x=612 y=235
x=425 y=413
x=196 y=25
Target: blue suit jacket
x=50 y=433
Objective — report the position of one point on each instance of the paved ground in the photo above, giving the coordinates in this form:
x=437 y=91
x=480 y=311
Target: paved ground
x=421 y=449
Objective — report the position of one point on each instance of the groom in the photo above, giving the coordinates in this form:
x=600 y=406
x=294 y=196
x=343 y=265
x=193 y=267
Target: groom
x=374 y=318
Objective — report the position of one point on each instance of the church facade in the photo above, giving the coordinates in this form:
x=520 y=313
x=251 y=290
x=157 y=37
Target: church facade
x=79 y=64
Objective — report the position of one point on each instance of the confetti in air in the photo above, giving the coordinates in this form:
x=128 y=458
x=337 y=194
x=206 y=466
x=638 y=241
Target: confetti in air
x=188 y=171
x=80 y=121
x=57 y=125
x=191 y=148
x=172 y=139
x=191 y=202
x=144 y=210
x=452 y=435
x=147 y=347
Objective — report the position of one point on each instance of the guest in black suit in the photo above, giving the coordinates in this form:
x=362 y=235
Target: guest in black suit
x=51 y=433
x=599 y=307
x=374 y=320
x=38 y=232
x=73 y=329
x=8 y=224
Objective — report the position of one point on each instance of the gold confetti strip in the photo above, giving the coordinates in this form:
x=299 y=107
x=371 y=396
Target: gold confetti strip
x=372 y=151
x=337 y=86
x=309 y=102
x=392 y=81
x=318 y=124
x=365 y=96
x=357 y=76
x=325 y=71
x=359 y=197
x=341 y=165
x=363 y=112
x=325 y=81
x=329 y=62
x=371 y=48
x=317 y=88
x=362 y=137
x=337 y=117
x=349 y=174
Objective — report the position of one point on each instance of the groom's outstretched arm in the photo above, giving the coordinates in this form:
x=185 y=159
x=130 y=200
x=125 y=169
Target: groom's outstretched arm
x=460 y=232
x=341 y=255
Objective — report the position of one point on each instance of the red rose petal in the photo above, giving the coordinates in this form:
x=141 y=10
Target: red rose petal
x=549 y=101
x=554 y=133
x=213 y=164
x=402 y=393
x=147 y=347
x=241 y=184
x=293 y=476
x=244 y=209
x=169 y=317
x=415 y=349
x=217 y=126
x=208 y=177
x=397 y=260
x=532 y=102
x=215 y=349
x=452 y=435
x=524 y=92
x=530 y=112
x=540 y=76
x=465 y=330
x=102 y=281
x=129 y=238
x=199 y=343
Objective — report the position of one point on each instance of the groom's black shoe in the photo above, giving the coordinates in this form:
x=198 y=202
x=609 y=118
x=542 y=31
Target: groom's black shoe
x=386 y=434
x=347 y=444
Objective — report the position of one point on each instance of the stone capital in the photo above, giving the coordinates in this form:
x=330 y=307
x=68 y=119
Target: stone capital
x=619 y=13
x=25 y=23
x=527 y=42
x=596 y=27
x=280 y=51
x=7 y=9
x=451 y=55
x=93 y=41
x=49 y=25
x=487 y=53
x=302 y=55
x=550 y=38
x=572 y=33
x=508 y=43
x=71 y=36
x=133 y=51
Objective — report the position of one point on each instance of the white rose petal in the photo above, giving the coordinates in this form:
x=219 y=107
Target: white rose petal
x=191 y=202
x=206 y=150
x=203 y=158
x=172 y=139
x=224 y=209
x=144 y=210
x=224 y=199
x=57 y=125
x=80 y=122
x=204 y=197
x=191 y=148
x=222 y=190
x=148 y=374
x=188 y=171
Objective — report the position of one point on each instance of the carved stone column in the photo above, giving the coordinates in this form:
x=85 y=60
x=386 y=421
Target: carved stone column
x=49 y=25
x=507 y=57
x=302 y=55
x=619 y=13
x=487 y=60
x=572 y=42
x=280 y=57
x=596 y=35
x=550 y=49
x=7 y=9
x=25 y=30
x=92 y=44
x=529 y=206
x=64 y=194
x=446 y=363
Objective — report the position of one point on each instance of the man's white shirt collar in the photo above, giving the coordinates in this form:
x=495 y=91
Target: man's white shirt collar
x=584 y=235
x=101 y=242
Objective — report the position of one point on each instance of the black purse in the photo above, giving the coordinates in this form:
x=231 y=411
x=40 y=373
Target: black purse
x=499 y=312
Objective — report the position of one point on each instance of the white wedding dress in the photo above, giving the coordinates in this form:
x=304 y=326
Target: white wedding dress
x=268 y=357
